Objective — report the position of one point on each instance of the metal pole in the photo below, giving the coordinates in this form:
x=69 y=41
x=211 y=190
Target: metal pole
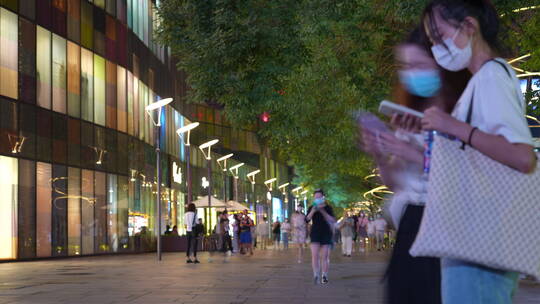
x=209 y=162
x=158 y=192
x=189 y=191
x=225 y=185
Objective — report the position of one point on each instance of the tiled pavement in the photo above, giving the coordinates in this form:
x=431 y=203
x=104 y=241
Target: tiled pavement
x=267 y=277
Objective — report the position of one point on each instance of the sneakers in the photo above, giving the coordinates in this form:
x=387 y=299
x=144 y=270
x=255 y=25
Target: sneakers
x=324 y=280
x=196 y=261
x=189 y=261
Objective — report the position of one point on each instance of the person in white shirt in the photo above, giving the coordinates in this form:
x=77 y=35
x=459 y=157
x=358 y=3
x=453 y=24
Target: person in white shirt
x=346 y=227
x=190 y=218
x=299 y=231
x=371 y=232
x=380 y=230
x=263 y=231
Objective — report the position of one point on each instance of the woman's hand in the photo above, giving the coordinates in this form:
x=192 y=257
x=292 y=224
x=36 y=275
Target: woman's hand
x=368 y=143
x=438 y=120
x=390 y=144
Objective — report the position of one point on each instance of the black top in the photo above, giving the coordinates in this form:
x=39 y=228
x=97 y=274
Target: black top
x=320 y=226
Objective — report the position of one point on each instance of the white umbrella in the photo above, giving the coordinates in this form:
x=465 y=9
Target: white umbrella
x=203 y=202
x=236 y=206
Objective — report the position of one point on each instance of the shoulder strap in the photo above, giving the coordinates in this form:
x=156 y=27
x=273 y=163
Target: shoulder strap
x=470 y=111
x=193 y=222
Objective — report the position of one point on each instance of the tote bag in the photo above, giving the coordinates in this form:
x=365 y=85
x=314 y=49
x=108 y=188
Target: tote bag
x=480 y=211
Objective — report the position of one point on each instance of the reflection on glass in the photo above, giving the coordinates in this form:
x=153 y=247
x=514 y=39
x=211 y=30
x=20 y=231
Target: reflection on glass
x=74 y=211
x=99 y=90
x=112 y=212
x=59 y=72
x=121 y=99
x=43 y=182
x=123 y=212
x=27 y=209
x=100 y=214
x=8 y=53
x=87 y=85
x=8 y=207
x=43 y=67
x=74 y=79
x=59 y=210
x=87 y=211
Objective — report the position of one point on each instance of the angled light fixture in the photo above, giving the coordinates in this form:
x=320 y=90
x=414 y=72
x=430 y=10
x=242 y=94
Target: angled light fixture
x=224 y=160
x=269 y=183
x=155 y=106
x=234 y=170
x=208 y=145
x=251 y=176
x=186 y=129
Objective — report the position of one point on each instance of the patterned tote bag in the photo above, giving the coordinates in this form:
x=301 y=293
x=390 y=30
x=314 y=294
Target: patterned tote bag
x=480 y=211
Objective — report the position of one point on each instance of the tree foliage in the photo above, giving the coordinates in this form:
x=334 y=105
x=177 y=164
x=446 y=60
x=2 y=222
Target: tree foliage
x=310 y=64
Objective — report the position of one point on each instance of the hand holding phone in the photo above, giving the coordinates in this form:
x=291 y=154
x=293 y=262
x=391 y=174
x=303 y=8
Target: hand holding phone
x=389 y=109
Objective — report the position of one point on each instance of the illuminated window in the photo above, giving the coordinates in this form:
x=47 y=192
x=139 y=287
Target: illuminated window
x=100 y=212
x=8 y=207
x=59 y=211
x=74 y=20
x=87 y=85
x=87 y=211
x=112 y=77
x=44 y=205
x=112 y=212
x=59 y=9
x=74 y=211
x=8 y=54
x=43 y=65
x=87 y=25
x=27 y=61
x=121 y=99
x=59 y=72
x=27 y=209
x=99 y=90
x=74 y=79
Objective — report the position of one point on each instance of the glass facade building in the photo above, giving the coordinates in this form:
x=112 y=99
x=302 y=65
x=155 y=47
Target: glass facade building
x=77 y=150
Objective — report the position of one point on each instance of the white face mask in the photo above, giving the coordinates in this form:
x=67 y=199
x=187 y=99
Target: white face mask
x=451 y=57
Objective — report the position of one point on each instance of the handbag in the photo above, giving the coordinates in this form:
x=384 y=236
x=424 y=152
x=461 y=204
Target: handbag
x=479 y=210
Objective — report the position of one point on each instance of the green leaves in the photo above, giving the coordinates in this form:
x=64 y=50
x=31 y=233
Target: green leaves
x=309 y=64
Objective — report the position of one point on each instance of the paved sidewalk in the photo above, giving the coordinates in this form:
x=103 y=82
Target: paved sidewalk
x=267 y=277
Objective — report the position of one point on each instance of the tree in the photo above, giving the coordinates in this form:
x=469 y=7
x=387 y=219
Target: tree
x=309 y=65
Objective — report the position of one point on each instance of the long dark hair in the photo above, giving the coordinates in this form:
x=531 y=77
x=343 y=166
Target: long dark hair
x=455 y=12
x=453 y=83
x=191 y=207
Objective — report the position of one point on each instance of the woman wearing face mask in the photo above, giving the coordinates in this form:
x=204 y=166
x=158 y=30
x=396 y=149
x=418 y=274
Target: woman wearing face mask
x=464 y=36
x=321 y=235
x=399 y=157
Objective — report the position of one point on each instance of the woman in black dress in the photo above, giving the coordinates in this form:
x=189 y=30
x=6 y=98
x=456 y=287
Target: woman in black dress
x=322 y=231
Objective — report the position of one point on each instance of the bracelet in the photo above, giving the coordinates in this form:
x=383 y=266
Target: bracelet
x=470 y=135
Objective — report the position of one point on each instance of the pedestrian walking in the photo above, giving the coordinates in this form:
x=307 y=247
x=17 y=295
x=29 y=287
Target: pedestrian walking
x=276 y=232
x=346 y=227
x=322 y=217
x=246 y=242
x=371 y=233
x=489 y=118
x=236 y=233
x=190 y=221
x=299 y=231
x=285 y=232
x=263 y=230
x=361 y=229
x=224 y=226
x=380 y=231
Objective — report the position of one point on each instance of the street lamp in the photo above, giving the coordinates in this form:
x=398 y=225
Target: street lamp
x=251 y=178
x=185 y=133
x=268 y=184
x=224 y=168
x=283 y=189
x=234 y=171
x=208 y=154
x=158 y=105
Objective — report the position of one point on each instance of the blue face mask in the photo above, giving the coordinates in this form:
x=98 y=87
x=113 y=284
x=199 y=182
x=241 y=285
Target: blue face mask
x=423 y=83
x=318 y=201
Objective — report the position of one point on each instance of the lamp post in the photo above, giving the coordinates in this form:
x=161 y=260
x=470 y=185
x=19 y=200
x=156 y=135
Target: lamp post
x=224 y=168
x=268 y=184
x=283 y=189
x=234 y=171
x=251 y=178
x=296 y=196
x=185 y=133
x=158 y=105
x=206 y=149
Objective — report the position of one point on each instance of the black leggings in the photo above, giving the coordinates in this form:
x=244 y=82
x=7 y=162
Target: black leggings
x=191 y=238
x=226 y=242
x=412 y=280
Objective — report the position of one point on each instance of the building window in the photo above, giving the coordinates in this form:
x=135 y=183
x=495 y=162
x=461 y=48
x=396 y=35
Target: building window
x=43 y=65
x=59 y=210
x=8 y=54
x=59 y=72
x=74 y=211
x=43 y=182
x=87 y=85
x=74 y=80
x=87 y=211
x=74 y=20
x=112 y=77
x=8 y=207
x=99 y=90
x=27 y=61
x=27 y=209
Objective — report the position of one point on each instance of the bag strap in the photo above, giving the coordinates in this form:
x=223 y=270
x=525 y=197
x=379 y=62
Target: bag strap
x=193 y=222
x=470 y=111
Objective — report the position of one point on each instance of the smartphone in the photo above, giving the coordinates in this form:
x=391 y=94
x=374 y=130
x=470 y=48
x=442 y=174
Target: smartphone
x=389 y=108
